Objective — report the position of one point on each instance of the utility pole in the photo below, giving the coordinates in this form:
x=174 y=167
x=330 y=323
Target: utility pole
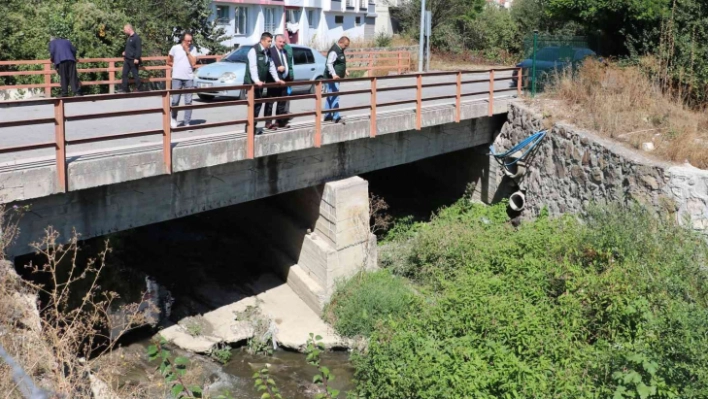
x=421 y=42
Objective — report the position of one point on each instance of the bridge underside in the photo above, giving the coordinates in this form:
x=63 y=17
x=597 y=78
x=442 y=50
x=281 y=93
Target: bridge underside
x=214 y=174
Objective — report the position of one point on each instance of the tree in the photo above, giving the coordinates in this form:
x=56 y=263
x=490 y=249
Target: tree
x=447 y=18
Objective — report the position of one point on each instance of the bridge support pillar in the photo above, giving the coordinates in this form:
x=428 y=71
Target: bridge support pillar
x=338 y=242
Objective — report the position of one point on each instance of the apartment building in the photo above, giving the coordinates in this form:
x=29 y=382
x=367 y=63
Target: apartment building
x=316 y=23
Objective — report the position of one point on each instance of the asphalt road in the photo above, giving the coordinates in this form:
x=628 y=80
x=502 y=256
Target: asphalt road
x=17 y=136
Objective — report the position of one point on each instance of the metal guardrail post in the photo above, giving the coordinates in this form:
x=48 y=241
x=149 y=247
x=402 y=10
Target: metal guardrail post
x=60 y=142
x=112 y=77
x=48 y=80
x=458 y=99
x=419 y=102
x=519 y=78
x=491 y=92
x=168 y=78
x=166 y=132
x=251 y=125
x=373 y=108
x=318 y=114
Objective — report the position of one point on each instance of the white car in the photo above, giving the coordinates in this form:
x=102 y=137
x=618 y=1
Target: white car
x=231 y=70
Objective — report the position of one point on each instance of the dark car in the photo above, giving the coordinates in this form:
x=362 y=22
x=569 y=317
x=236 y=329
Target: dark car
x=553 y=58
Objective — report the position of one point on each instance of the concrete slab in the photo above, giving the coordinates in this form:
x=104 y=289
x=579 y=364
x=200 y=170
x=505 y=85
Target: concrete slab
x=294 y=319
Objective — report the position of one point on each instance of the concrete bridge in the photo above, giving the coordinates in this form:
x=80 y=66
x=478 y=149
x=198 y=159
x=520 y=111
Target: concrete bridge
x=107 y=163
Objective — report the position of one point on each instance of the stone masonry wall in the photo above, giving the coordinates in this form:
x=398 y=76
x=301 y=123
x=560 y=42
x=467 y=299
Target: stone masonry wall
x=572 y=168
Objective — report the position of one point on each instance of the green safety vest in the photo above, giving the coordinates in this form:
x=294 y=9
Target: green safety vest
x=340 y=64
x=263 y=62
x=289 y=56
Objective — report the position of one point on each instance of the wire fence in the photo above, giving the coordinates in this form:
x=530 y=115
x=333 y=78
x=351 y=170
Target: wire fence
x=25 y=385
x=544 y=55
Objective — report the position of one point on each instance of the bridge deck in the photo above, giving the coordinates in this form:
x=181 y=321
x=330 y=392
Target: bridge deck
x=99 y=161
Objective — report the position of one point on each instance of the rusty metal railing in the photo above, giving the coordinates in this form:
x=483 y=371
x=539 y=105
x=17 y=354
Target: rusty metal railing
x=60 y=143
x=111 y=69
x=370 y=61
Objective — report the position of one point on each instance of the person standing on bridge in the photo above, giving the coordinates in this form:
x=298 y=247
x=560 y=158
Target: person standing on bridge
x=182 y=59
x=131 y=57
x=283 y=63
x=259 y=66
x=336 y=68
x=63 y=55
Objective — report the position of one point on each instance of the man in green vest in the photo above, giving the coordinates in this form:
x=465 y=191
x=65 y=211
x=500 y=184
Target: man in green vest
x=336 y=68
x=260 y=65
x=283 y=63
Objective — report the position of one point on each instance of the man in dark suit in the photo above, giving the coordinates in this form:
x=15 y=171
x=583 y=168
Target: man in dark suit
x=131 y=57
x=283 y=62
x=63 y=56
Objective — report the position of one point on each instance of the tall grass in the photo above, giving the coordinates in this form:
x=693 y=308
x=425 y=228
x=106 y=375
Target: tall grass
x=624 y=103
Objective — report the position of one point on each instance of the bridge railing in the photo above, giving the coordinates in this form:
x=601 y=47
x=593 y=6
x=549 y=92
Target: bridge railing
x=60 y=118
x=107 y=66
x=109 y=69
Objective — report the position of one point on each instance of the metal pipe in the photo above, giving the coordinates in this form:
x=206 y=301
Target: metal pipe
x=421 y=41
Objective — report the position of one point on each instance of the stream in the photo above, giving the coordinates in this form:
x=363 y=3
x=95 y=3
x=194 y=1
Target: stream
x=290 y=371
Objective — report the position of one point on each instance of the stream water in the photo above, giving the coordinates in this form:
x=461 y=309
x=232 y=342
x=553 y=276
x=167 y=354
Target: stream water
x=289 y=370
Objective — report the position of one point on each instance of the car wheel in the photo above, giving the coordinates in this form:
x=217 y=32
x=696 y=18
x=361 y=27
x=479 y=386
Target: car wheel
x=312 y=88
x=205 y=97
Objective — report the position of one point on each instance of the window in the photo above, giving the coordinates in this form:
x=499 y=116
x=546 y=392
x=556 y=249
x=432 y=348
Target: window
x=312 y=18
x=358 y=21
x=238 y=55
x=339 y=19
x=302 y=56
x=222 y=14
x=241 y=21
x=294 y=16
x=271 y=22
x=351 y=3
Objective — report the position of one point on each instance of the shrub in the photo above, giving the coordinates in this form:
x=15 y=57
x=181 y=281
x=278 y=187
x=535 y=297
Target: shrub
x=358 y=304
x=615 y=305
x=382 y=40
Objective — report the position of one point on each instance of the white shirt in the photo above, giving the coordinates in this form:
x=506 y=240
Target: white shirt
x=181 y=68
x=253 y=63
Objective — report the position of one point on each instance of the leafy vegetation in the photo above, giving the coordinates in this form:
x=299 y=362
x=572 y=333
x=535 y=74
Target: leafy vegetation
x=613 y=305
x=366 y=299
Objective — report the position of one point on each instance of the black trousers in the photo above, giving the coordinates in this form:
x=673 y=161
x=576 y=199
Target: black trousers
x=280 y=107
x=257 y=106
x=68 y=76
x=129 y=66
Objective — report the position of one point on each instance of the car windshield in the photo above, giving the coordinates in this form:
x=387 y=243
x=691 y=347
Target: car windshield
x=240 y=55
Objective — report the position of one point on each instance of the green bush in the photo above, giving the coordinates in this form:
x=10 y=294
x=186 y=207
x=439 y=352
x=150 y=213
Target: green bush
x=362 y=301
x=611 y=306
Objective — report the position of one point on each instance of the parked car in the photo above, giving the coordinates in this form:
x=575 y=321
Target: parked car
x=231 y=70
x=553 y=58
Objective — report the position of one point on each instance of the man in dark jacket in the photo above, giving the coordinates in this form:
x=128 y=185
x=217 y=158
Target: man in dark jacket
x=283 y=62
x=63 y=56
x=336 y=68
x=131 y=57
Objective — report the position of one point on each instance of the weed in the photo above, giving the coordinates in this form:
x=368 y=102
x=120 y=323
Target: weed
x=222 y=354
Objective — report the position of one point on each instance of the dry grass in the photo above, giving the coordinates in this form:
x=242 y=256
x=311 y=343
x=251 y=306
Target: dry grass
x=59 y=350
x=467 y=60
x=624 y=104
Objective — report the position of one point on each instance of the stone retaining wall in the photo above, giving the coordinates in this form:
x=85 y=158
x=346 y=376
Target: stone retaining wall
x=572 y=168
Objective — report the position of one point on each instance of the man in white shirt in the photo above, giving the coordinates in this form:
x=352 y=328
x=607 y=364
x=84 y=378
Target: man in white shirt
x=336 y=68
x=260 y=65
x=182 y=59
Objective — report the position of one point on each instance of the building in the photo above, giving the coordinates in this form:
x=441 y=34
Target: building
x=384 y=24
x=502 y=3
x=315 y=23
